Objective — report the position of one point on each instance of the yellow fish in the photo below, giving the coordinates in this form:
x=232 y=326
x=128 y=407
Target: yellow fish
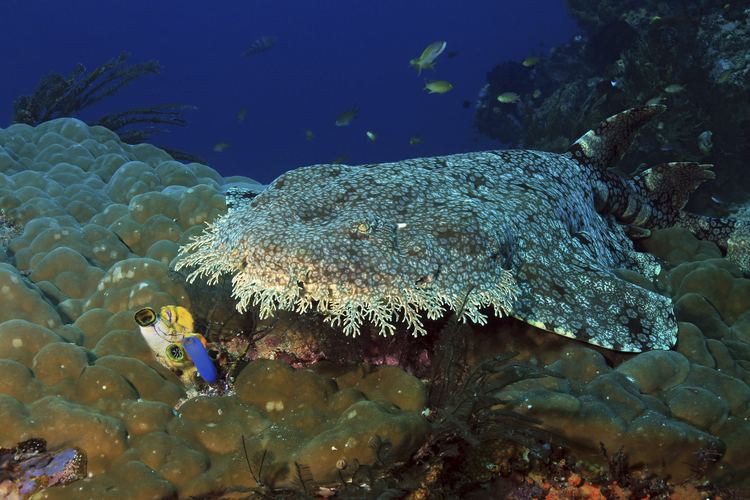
x=371 y=135
x=537 y=94
x=414 y=140
x=241 y=114
x=220 y=147
x=438 y=86
x=530 y=62
x=508 y=98
x=428 y=56
x=309 y=135
x=347 y=117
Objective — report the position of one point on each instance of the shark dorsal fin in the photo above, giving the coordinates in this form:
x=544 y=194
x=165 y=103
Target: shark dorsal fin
x=603 y=146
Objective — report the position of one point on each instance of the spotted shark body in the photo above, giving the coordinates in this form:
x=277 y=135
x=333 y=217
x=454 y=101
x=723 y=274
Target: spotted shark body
x=537 y=235
x=595 y=212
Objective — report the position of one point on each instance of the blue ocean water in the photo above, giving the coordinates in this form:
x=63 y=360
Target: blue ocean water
x=329 y=56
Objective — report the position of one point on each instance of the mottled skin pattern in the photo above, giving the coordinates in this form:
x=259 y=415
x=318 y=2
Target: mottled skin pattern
x=533 y=234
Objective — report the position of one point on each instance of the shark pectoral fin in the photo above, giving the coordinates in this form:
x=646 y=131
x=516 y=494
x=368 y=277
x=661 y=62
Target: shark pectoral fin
x=595 y=306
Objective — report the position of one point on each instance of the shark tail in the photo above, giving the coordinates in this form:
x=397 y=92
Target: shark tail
x=603 y=146
x=656 y=197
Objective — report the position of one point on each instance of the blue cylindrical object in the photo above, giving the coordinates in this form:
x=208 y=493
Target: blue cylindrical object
x=200 y=358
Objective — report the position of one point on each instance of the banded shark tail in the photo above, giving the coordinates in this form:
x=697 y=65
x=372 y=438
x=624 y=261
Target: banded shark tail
x=656 y=197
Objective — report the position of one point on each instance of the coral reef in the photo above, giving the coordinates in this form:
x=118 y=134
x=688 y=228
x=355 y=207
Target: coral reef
x=690 y=56
x=98 y=224
x=691 y=401
x=8 y=230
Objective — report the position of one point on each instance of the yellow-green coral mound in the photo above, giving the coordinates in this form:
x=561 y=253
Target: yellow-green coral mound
x=100 y=222
x=675 y=411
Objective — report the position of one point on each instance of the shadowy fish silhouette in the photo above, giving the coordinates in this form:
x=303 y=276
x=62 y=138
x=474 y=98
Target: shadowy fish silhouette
x=262 y=44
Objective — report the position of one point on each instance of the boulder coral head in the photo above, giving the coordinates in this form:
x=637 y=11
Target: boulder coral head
x=533 y=234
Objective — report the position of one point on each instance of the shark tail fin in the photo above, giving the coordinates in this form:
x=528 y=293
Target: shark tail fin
x=603 y=146
x=669 y=185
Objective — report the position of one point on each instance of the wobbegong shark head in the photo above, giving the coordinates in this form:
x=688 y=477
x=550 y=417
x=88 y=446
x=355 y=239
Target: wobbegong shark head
x=358 y=242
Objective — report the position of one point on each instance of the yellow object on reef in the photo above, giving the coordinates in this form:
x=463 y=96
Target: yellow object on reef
x=164 y=334
x=179 y=317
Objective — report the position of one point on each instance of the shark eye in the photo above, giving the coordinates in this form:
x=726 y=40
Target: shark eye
x=175 y=352
x=145 y=317
x=361 y=229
